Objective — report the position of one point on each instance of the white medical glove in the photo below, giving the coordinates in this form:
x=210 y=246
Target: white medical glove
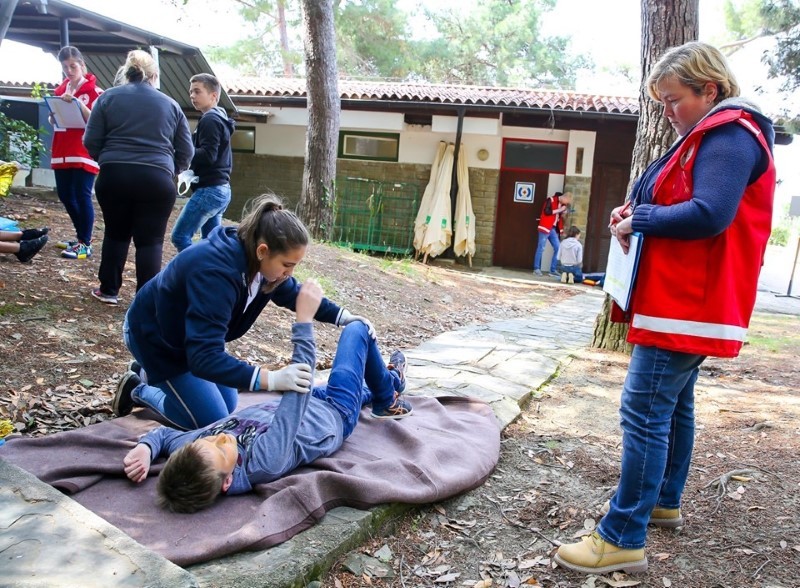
x=346 y=317
x=294 y=377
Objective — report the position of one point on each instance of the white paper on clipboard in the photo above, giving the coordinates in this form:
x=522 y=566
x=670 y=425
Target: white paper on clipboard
x=621 y=270
x=67 y=114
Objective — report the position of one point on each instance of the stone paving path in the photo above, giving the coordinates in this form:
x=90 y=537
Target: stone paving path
x=49 y=540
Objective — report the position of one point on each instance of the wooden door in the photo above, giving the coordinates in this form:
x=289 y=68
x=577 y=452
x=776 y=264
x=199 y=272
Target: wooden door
x=609 y=185
x=515 y=227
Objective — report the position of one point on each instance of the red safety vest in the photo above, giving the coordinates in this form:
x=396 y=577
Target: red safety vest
x=68 y=150
x=547 y=221
x=697 y=296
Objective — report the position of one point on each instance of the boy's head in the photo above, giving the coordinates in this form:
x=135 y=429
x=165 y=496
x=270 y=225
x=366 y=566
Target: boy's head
x=197 y=473
x=573 y=232
x=564 y=198
x=204 y=91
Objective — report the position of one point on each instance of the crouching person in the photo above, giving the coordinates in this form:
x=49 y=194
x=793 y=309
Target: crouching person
x=267 y=441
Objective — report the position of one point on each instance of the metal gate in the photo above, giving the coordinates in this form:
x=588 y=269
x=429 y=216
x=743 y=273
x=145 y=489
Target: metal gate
x=375 y=216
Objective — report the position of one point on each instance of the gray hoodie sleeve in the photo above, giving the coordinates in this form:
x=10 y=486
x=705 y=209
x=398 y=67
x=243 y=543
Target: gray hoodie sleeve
x=274 y=454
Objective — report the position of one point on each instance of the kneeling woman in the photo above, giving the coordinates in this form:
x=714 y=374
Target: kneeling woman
x=209 y=294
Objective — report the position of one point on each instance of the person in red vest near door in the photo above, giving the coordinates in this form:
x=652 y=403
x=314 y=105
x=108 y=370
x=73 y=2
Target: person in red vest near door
x=551 y=225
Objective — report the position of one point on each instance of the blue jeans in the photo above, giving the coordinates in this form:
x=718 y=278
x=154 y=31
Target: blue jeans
x=575 y=270
x=203 y=212
x=657 y=419
x=185 y=401
x=552 y=236
x=358 y=376
x=74 y=186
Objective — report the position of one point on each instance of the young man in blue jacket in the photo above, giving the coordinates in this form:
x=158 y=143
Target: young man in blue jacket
x=267 y=441
x=212 y=163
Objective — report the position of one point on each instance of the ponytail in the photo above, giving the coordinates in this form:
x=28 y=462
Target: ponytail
x=267 y=221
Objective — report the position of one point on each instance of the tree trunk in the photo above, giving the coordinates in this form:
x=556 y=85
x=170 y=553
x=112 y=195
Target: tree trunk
x=665 y=24
x=288 y=67
x=322 y=136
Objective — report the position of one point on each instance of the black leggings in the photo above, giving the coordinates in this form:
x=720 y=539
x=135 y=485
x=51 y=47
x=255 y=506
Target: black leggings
x=136 y=201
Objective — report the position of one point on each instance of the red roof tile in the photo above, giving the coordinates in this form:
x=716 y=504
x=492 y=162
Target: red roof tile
x=443 y=94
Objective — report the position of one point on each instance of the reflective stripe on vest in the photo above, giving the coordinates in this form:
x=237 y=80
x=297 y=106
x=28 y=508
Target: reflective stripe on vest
x=689 y=328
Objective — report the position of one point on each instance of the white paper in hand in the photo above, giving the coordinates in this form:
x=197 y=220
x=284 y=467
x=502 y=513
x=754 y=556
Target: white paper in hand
x=621 y=270
x=185 y=180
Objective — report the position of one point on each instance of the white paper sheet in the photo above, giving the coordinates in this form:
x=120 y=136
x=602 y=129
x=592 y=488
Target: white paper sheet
x=621 y=270
x=67 y=114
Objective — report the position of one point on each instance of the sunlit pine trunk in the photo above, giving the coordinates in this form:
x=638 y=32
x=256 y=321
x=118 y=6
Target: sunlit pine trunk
x=665 y=24
x=322 y=136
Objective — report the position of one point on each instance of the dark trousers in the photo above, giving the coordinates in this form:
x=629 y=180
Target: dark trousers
x=74 y=186
x=136 y=201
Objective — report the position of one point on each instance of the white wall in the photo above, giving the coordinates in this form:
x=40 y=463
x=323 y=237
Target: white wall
x=285 y=135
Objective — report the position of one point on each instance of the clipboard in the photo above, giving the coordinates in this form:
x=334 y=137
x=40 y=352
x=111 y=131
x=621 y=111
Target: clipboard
x=66 y=114
x=621 y=270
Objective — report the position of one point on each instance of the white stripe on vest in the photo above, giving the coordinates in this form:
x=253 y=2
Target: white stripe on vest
x=691 y=328
x=84 y=160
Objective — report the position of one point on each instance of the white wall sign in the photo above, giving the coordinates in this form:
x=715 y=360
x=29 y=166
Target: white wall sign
x=523 y=192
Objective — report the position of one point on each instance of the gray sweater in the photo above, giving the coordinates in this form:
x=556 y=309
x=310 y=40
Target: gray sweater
x=135 y=123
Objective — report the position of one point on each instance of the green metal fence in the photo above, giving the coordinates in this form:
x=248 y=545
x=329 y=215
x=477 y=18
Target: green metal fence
x=375 y=216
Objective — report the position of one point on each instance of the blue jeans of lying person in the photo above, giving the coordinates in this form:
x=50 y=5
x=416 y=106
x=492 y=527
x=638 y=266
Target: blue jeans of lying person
x=657 y=418
x=203 y=212
x=359 y=376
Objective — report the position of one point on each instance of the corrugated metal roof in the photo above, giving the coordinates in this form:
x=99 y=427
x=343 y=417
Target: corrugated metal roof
x=443 y=94
x=105 y=42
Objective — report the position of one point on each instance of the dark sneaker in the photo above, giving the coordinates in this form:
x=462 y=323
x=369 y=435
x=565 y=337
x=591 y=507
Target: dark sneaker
x=398 y=410
x=554 y=275
x=29 y=234
x=397 y=362
x=135 y=367
x=27 y=249
x=105 y=298
x=122 y=403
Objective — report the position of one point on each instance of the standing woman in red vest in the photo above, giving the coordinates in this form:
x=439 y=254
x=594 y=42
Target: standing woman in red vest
x=705 y=210
x=74 y=169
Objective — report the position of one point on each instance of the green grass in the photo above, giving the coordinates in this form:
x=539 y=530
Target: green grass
x=401 y=265
x=775 y=333
x=303 y=273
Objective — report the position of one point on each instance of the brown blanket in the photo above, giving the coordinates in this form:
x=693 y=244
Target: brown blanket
x=447 y=446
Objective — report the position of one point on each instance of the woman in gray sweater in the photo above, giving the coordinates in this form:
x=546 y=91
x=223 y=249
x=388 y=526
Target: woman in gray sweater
x=141 y=139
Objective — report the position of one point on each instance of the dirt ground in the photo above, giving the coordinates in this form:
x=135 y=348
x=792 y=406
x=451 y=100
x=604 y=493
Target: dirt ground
x=62 y=355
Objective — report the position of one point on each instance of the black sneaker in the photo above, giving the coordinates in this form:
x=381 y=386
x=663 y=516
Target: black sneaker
x=29 y=234
x=397 y=362
x=398 y=410
x=135 y=367
x=122 y=403
x=29 y=248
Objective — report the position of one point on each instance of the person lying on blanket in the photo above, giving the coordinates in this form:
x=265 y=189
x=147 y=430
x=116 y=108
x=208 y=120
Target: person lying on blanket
x=264 y=442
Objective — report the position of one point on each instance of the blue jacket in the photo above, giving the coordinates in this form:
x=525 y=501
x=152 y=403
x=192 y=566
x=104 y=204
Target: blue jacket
x=274 y=437
x=135 y=123
x=182 y=318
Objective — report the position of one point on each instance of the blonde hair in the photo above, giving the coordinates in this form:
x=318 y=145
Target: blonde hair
x=694 y=64
x=139 y=67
